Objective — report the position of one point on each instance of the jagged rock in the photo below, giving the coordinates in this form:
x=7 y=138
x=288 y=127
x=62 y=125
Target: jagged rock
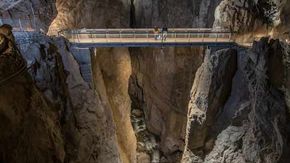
x=111 y=71
x=89 y=130
x=252 y=125
x=171 y=13
x=208 y=95
x=33 y=14
x=160 y=84
x=82 y=14
x=30 y=131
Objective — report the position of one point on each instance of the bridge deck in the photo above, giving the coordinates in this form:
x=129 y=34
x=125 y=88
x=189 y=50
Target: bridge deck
x=147 y=37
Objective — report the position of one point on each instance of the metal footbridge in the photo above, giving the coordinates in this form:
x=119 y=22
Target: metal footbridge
x=147 y=37
x=129 y=37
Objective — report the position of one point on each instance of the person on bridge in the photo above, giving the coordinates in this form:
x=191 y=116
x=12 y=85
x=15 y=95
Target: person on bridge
x=156 y=33
x=164 y=33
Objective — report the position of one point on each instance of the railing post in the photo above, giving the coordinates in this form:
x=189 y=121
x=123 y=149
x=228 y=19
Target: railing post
x=107 y=35
x=147 y=36
x=216 y=37
x=20 y=25
x=92 y=36
x=134 y=34
x=121 y=36
x=78 y=37
x=175 y=35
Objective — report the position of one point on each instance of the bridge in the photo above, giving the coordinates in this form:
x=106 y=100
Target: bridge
x=89 y=38
x=127 y=37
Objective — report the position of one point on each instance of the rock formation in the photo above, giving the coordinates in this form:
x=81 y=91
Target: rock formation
x=250 y=125
x=139 y=107
x=88 y=129
x=30 y=127
x=32 y=14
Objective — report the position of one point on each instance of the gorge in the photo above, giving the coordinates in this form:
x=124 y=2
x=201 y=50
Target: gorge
x=189 y=104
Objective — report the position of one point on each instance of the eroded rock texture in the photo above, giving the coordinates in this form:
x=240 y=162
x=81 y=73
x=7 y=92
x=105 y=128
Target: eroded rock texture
x=253 y=19
x=170 y=13
x=34 y=14
x=162 y=78
x=160 y=85
x=30 y=127
x=91 y=14
x=112 y=69
x=88 y=128
x=251 y=124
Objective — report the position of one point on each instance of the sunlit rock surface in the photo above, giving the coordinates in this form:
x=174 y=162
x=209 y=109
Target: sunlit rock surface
x=110 y=82
x=91 y=14
x=111 y=71
x=254 y=19
x=136 y=109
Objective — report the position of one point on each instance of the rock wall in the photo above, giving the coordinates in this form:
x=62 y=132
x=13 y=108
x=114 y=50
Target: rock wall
x=162 y=105
x=37 y=14
x=30 y=127
x=252 y=19
x=88 y=127
x=162 y=77
x=170 y=13
x=111 y=83
x=111 y=71
x=250 y=125
x=91 y=14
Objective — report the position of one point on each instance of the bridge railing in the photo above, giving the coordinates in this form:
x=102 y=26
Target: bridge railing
x=146 y=35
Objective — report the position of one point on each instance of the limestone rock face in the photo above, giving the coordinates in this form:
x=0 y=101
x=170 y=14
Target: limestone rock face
x=111 y=71
x=251 y=125
x=88 y=128
x=162 y=78
x=112 y=67
x=209 y=93
x=34 y=14
x=160 y=85
x=91 y=14
x=7 y=4
x=30 y=127
x=254 y=18
x=170 y=13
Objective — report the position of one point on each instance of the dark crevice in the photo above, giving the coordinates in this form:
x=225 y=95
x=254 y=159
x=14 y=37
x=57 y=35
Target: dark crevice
x=132 y=15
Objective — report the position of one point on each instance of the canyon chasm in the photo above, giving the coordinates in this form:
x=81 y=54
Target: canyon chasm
x=191 y=104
